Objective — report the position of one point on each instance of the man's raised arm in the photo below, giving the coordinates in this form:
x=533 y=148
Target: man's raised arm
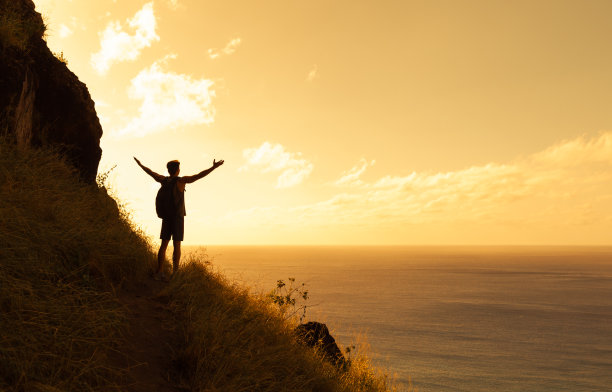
x=204 y=173
x=157 y=177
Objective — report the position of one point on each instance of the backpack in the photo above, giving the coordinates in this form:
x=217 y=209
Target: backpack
x=165 y=205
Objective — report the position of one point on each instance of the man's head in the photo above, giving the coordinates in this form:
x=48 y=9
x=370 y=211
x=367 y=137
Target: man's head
x=173 y=167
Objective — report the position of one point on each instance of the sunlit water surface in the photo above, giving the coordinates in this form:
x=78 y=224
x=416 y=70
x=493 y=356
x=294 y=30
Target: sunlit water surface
x=456 y=319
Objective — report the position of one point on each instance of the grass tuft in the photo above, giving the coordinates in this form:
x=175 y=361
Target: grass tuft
x=16 y=30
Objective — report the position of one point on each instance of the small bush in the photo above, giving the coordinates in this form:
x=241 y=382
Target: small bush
x=286 y=297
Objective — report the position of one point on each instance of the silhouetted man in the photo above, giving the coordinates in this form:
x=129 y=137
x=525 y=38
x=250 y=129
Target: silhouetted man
x=173 y=221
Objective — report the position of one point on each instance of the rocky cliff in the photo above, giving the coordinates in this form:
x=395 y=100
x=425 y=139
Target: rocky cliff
x=42 y=103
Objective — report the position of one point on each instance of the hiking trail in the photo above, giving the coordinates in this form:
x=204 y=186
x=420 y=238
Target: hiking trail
x=152 y=337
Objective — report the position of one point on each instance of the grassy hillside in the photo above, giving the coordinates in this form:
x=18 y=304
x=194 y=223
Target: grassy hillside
x=67 y=251
x=239 y=342
x=64 y=250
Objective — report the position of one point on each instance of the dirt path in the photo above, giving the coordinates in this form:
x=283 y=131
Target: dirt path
x=151 y=339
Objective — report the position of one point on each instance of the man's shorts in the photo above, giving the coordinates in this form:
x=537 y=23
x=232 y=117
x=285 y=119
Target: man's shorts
x=173 y=228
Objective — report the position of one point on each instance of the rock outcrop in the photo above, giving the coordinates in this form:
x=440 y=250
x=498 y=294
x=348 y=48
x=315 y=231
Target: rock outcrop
x=315 y=334
x=42 y=103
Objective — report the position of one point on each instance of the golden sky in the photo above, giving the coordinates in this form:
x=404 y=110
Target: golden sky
x=355 y=122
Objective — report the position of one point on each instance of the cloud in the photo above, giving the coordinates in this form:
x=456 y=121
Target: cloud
x=351 y=177
x=230 y=48
x=579 y=151
x=313 y=74
x=273 y=158
x=117 y=45
x=65 y=31
x=562 y=189
x=173 y=4
x=169 y=100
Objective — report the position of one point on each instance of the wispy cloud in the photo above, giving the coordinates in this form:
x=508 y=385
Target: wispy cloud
x=351 y=177
x=230 y=48
x=579 y=151
x=116 y=45
x=269 y=157
x=313 y=74
x=568 y=185
x=173 y=4
x=65 y=31
x=169 y=100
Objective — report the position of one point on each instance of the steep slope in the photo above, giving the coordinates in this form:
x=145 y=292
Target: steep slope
x=80 y=311
x=65 y=250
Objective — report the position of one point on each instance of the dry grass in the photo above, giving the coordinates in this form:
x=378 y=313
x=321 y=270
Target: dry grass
x=15 y=30
x=234 y=341
x=64 y=249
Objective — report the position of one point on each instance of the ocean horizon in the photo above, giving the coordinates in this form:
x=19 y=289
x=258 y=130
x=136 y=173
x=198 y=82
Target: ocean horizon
x=453 y=318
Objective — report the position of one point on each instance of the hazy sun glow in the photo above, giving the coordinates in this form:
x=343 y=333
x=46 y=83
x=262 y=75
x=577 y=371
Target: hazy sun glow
x=354 y=122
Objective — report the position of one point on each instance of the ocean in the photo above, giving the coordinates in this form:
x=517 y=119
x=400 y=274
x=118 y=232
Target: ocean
x=455 y=318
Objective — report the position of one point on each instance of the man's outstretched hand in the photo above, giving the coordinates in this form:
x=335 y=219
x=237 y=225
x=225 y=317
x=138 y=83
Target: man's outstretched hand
x=216 y=164
x=137 y=161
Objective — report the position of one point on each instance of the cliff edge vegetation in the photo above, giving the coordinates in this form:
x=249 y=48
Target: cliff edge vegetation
x=70 y=260
x=42 y=103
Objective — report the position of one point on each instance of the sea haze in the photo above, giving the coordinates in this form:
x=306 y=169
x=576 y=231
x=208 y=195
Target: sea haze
x=456 y=318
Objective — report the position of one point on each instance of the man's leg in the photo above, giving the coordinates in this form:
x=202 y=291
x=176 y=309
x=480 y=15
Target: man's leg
x=161 y=255
x=177 y=237
x=176 y=255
